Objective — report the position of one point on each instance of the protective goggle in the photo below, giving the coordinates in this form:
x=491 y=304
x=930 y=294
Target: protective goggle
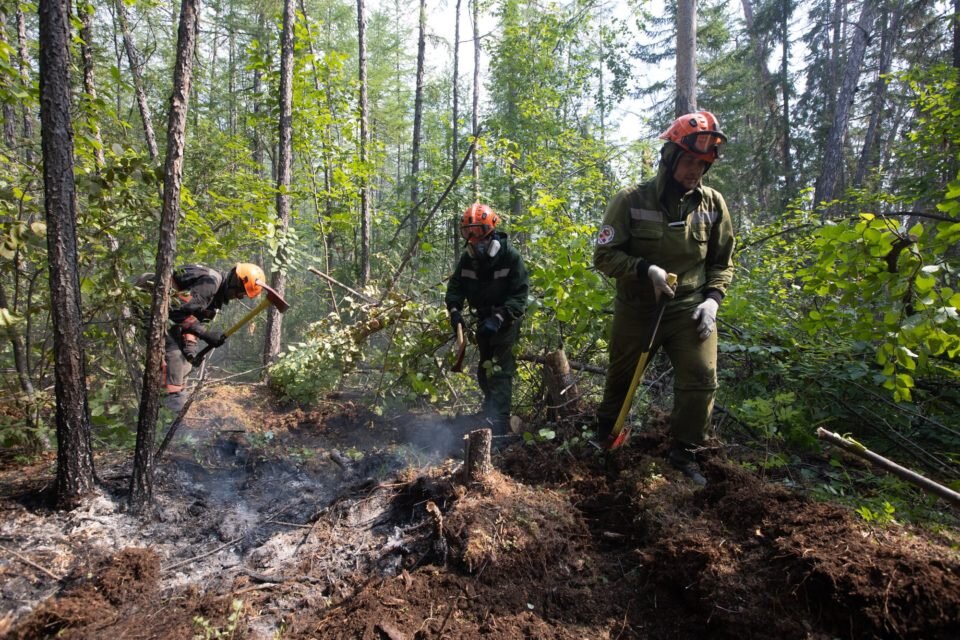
x=474 y=231
x=703 y=141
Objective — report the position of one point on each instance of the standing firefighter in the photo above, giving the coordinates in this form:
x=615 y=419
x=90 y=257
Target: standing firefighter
x=199 y=292
x=492 y=279
x=671 y=224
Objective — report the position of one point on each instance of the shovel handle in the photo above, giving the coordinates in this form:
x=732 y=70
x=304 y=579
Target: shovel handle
x=615 y=436
x=236 y=327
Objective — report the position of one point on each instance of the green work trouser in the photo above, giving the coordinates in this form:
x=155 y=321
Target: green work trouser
x=496 y=369
x=694 y=364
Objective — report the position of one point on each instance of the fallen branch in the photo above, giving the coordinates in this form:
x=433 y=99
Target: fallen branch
x=202 y=555
x=362 y=296
x=854 y=447
x=30 y=562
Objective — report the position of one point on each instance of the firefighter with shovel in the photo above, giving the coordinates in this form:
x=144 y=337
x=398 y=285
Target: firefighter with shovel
x=198 y=294
x=491 y=280
x=672 y=224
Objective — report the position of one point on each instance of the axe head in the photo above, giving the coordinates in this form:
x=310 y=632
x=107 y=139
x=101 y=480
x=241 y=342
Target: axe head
x=275 y=298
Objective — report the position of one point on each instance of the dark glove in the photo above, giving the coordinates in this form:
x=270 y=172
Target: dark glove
x=190 y=350
x=490 y=325
x=456 y=320
x=213 y=338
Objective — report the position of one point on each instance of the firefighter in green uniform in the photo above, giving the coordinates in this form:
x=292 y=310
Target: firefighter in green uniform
x=670 y=224
x=491 y=278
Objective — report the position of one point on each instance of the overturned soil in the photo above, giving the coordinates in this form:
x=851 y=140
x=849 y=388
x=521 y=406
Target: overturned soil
x=335 y=523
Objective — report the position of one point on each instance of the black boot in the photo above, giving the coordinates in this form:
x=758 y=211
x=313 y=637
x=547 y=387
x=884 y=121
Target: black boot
x=604 y=428
x=684 y=460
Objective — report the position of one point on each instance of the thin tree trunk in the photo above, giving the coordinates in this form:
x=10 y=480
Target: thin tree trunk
x=956 y=34
x=19 y=355
x=890 y=36
x=75 y=470
x=475 y=120
x=455 y=124
x=133 y=59
x=417 y=122
x=365 y=215
x=786 y=88
x=833 y=154
x=9 y=113
x=141 y=484
x=85 y=12
x=257 y=151
x=23 y=61
x=271 y=346
x=686 y=57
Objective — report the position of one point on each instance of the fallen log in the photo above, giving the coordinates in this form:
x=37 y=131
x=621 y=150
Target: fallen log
x=854 y=447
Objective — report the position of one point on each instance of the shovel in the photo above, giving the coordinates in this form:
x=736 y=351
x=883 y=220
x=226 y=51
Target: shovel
x=460 y=350
x=272 y=298
x=620 y=431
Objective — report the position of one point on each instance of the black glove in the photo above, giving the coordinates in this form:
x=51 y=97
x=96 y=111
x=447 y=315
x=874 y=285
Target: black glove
x=490 y=325
x=213 y=338
x=190 y=350
x=456 y=320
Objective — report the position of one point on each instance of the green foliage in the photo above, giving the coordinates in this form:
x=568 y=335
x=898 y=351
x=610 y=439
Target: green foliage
x=207 y=631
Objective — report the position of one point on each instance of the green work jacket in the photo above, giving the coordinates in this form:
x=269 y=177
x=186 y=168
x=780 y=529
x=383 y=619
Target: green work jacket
x=693 y=238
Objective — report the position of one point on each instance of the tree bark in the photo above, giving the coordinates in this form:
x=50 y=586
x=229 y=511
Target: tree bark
x=563 y=395
x=75 y=469
x=890 y=35
x=271 y=346
x=141 y=484
x=9 y=114
x=475 y=120
x=686 y=57
x=455 y=124
x=476 y=460
x=417 y=123
x=85 y=13
x=365 y=215
x=133 y=59
x=24 y=64
x=786 y=87
x=825 y=190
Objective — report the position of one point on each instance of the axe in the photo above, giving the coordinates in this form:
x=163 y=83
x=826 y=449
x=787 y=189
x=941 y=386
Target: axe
x=620 y=431
x=272 y=298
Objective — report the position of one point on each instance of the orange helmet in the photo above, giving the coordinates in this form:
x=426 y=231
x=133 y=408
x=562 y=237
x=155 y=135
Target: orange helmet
x=251 y=276
x=698 y=134
x=478 y=222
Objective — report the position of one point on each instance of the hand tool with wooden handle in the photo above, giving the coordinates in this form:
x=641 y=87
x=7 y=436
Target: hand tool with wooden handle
x=620 y=432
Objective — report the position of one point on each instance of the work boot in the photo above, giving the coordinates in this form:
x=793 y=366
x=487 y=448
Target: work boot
x=686 y=463
x=175 y=401
x=604 y=428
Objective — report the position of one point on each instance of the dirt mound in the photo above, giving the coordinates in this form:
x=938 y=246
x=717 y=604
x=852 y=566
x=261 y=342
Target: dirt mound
x=323 y=524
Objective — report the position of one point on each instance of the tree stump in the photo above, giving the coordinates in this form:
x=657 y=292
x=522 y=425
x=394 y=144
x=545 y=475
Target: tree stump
x=476 y=456
x=563 y=395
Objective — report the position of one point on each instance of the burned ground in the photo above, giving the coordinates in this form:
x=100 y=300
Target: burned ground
x=274 y=522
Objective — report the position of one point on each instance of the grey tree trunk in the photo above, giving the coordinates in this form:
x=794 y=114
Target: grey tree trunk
x=825 y=189
x=455 y=125
x=9 y=113
x=475 y=120
x=85 y=12
x=141 y=484
x=686 y=57
x=133 y=58
x=417 y=123
x=75 y=470
x=271 y=346
x=785 y=88
x=365 y=216
x=24 y=62
x=869 y=157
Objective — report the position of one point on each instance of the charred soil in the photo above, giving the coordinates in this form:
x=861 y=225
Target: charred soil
x=273 y=522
